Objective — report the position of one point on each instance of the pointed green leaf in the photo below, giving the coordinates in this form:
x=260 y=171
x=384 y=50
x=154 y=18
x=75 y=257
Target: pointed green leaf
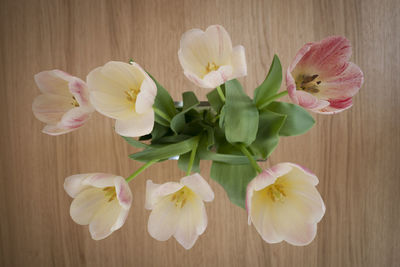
x=241 y=115
x=135 y=143
x=215 y=100
x=190 y=101
x=271 y=84
x=298 y=120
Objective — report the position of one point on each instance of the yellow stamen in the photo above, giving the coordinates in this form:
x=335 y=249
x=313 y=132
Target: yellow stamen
x=211 y=66
x=276 y=192
x=110 y=193
x=180 y=197
x=131 y=95
x=308 y=83
x=74 y=102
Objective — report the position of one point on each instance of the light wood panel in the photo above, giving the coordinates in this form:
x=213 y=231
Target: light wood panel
x=354 y=153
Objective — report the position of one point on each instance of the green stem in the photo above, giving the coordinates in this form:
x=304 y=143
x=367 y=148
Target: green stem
x=272 y=98
x=162 y=114
x=253 y=162
x=221 y=94
x=192 y=156
x=138 y=171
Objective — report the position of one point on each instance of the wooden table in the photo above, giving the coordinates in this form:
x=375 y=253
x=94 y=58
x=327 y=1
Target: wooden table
x=355 y=153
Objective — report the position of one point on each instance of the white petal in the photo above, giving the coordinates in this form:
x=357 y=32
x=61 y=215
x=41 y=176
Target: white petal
x=123 y=192
x=261 y=216
x=73 y=184
x=136 y=125
x=163 y=219
x=146 y=96
x=120 y=220
x=219 y=43
x=75 y=118
x=218 y=77
x=156 y=192
x=197 y=183
x=301 y=173
x=86 y=204
x=197 y=80
x=192 y=222
x=50 y=108
x=100 y=180
x=55 y=130
x=54 y=82
x=110 y=105
x=239 y=61
x=105 y=220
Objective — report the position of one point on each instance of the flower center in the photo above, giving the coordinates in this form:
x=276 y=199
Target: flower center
x=110 y=193
x=276 y=192
x=131 y=95
x=74 y=102
x=180 y=197
x=308 y=83
x=211 y=66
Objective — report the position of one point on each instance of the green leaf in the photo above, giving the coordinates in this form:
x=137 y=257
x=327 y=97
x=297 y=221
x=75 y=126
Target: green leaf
x=171 y=139
x=190 y=101
x=298 y=120
x=166 y=151
x=241 y=115
x=183 y=162
x=234 y=179
x=158 y=132
x=135 y=143
x=268 y=133
x=215 y=100
x=164 y=103
x=271 y=84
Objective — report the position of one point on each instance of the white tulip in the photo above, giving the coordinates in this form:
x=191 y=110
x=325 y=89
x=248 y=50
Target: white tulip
x=208 y=58
x=126 y=93
x=64 y=104
x=178 y=209
x=283 y=204
x=101 y=201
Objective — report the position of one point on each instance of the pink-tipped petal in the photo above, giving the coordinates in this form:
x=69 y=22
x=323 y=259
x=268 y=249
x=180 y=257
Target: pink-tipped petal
x=197 y=183
x=75 y=118
x=218 y=77
x=309 y=101
x=100 y=180
x=80 y=91
x=55 y=130
x=196 y=80
x=123 y=192
x=336 y=106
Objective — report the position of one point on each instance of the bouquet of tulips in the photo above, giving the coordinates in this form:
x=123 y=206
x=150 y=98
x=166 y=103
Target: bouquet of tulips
x=230 y=129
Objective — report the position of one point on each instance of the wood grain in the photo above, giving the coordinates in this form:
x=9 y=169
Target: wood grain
x=355 y=153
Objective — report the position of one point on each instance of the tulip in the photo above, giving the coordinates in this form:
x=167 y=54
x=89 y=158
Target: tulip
x=64 y=105
x=126 y=93
x=322 y=79
x=101 y=201
x=283 y=204
x=178 y=209
x=208 y=59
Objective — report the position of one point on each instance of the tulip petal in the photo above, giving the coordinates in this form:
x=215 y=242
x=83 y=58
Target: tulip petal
x=239 y=61
x=100 y=180
x=218 y=77
x=75 y=118
x=53 y=82
x=309 y=101
x=50 y=108
x=219 y=44
x=336 y=106
x=105 y=220
x=73 y=184
x=146 y=96
x=110 y=105
x=192 y=223
x=261 y=216
x=329 y=56
x=136 y=125
x=197 y=183
x=55 y=130
x=86 y=204
x=155 y=192
x=163 y=219
x=344 y=85
x=196 y=80
x=123 y=192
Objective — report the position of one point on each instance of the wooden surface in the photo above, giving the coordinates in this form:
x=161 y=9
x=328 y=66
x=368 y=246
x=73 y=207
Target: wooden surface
x=355 y=154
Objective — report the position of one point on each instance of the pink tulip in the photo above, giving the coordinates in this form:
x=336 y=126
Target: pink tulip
x=322 y=79
x=64 y=103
